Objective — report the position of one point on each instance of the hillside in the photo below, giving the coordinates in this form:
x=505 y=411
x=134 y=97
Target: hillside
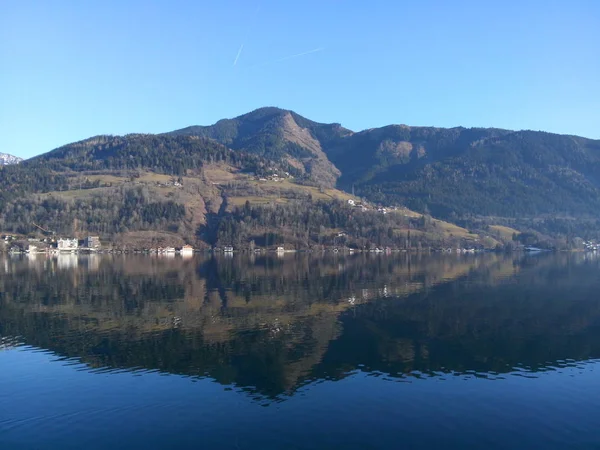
x=218 y=205
x=273 y=177
x=475 y=171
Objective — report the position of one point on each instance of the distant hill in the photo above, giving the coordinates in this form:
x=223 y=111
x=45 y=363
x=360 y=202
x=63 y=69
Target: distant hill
x=6 y=159
x=270 y=176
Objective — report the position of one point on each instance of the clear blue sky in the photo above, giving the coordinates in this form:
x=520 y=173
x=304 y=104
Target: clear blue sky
x=74 y=69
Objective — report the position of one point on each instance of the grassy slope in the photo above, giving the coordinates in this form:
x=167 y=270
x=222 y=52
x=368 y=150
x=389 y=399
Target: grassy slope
x=201 y=196
x=504 y=232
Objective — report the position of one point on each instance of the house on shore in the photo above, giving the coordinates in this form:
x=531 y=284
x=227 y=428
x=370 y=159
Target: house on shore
x=187 y=250
x=65 y=245
x=92 y=242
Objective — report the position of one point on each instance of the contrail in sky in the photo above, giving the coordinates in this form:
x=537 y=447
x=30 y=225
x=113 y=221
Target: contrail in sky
x=285 y=58
x=238 y=54
x=301 y=54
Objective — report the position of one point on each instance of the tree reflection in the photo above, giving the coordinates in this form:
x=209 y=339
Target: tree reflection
x=269 y=325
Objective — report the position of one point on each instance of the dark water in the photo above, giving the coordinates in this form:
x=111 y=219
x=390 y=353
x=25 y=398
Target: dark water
x=365 y=352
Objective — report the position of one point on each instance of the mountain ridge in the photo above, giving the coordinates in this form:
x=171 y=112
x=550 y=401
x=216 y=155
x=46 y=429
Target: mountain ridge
x=475 y=177
x=383 y=163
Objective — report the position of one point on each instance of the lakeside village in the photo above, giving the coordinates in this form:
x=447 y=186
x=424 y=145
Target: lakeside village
x=92 y=244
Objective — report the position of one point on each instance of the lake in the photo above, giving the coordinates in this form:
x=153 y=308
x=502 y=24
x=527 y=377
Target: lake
x=300 y=351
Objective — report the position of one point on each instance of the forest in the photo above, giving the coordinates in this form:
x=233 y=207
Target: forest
x=307 y=223
x=123 y=210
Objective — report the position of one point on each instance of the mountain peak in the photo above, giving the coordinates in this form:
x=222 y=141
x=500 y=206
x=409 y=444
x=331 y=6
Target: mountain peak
x=6 y=159
x=281 y=134
x=264 y=113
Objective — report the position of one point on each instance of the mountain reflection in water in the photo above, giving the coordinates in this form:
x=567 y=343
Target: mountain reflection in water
x=269 y=325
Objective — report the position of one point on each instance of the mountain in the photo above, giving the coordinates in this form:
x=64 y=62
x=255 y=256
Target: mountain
x=281 y=135
x=273 y=177
x=6 y=159
x=448 y=172
x=141 y=191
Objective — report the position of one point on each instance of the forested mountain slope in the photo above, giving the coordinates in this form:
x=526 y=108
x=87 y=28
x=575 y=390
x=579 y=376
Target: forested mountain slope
x=450 y=172
x=456 y=172
x=141 y=191
x=272 y=176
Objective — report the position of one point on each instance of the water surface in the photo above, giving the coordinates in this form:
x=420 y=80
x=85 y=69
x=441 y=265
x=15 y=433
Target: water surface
x=366 y=351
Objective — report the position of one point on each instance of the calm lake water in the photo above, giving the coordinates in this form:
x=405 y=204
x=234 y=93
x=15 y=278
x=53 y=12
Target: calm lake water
x=300 y=352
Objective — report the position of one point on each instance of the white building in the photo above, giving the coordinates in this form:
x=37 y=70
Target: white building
x=67 y=244
x=187 y=250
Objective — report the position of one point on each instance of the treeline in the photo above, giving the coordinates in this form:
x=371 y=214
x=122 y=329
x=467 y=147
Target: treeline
x=304 y=224
x=171 y=155
x=17 y=180
x=120 y=211
x=167 y=154
x=164 y=154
